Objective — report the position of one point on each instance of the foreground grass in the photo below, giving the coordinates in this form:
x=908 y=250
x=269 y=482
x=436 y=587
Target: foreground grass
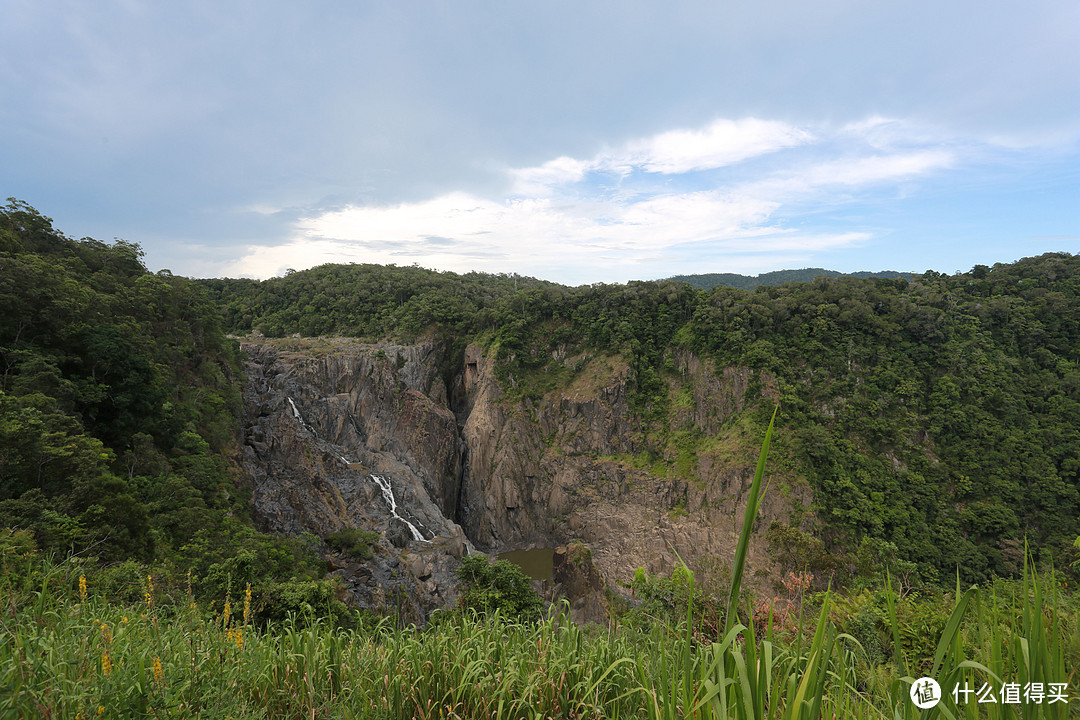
x=63 y=657
x=68 y=653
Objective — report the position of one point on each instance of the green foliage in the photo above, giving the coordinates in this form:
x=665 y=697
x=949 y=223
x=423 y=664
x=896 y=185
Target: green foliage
x=663 y=600
x=119 y=394
x=229 y=555
x=498 y=587
x=354 y=541
x=708 y=281
x=800 y=551
x=306 y=601
x=114 y=652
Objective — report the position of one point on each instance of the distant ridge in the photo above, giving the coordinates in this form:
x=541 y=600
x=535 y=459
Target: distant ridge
x=707 y=281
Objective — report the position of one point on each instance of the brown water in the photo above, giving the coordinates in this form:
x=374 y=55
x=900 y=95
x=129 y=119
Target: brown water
x=534 y=563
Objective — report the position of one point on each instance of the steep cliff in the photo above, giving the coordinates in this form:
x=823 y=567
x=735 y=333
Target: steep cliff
x=345 y=435
x=334 y=425
x=579 y=465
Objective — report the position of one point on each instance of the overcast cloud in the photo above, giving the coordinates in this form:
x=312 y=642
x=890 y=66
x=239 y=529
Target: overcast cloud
x=580 y=142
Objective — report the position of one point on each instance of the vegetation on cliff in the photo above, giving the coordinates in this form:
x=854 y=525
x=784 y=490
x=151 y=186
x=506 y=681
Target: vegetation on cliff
x=119 y=402
x=74 y=651
x=936 y=418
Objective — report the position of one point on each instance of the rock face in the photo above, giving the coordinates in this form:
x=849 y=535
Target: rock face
x=575 y=577
x=468 y=469
x=328 y=428
x=569 y=468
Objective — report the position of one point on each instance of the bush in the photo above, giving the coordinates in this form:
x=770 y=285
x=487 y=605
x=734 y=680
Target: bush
x=663 y=601
x=498 y=586
x=354 y=541
x=305 y=601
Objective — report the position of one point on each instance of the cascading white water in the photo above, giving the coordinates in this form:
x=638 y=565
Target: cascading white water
x=388 y=495
x=300 y=418
x=382 y=482
x=310 y=429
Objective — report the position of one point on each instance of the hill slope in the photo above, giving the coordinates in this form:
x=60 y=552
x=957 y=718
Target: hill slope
x=707 y=281
x=935 y=418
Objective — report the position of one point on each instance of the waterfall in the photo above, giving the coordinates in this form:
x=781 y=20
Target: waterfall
x=300 y=418
x=388 y=495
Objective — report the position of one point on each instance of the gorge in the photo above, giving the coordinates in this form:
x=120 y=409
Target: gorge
x=342 y=434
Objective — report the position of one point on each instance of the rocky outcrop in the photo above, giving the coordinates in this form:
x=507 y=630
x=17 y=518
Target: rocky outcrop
x=329 y=424
x=576 y=578
x=574 y=466
x=470 y=469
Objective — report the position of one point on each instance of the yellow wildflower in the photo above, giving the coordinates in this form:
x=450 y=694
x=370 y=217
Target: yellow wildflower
x=247 y=604
x=235 y=635
x=82 y=587
x=150 y=592
x=159 y=674
x=225 y=615
x=106 y=664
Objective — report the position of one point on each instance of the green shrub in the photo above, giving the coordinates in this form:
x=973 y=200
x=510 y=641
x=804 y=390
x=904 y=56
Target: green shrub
x=498 y=586
x=305 y=601
x=354 y=541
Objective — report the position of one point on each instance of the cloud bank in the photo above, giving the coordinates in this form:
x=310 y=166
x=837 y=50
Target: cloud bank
x=729 y=193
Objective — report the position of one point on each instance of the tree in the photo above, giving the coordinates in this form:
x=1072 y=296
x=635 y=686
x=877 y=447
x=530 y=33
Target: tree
x=498 y=586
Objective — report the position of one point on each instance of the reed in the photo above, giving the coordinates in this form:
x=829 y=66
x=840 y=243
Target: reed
x=177 y=659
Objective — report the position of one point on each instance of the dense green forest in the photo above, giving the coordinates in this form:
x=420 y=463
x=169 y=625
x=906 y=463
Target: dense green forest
x=936 y=417
x=707 y=281
x=119 y=404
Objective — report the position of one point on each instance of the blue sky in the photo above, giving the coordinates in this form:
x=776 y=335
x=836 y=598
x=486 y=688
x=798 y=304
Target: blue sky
x=575 y=141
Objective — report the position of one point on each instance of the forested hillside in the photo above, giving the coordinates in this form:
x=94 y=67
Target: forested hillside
x=119 y=398
x=707 y=281
x=937 y=419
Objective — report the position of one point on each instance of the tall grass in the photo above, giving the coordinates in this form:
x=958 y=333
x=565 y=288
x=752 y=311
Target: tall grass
x=65 y=652
x=742 y=676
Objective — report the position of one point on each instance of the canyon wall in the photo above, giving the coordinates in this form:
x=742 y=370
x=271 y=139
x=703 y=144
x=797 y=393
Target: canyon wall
x=330 y=423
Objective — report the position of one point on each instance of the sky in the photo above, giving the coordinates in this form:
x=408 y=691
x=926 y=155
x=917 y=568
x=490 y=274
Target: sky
x=578 y=142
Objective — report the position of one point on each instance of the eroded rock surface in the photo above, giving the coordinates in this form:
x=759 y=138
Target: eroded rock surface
x=471 y=470
x=567 y=468
x=326 y=424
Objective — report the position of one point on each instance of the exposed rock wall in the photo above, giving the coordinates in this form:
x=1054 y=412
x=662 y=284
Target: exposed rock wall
x=364 y=410
x=544 y=474
x=467 y=466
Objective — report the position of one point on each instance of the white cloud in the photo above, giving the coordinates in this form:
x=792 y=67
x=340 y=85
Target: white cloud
x=541 y=180
x=721 y=143
x=559 y=222
x=822 y=177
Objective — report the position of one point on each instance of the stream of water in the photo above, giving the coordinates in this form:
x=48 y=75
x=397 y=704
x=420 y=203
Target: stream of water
x=388 y=495
x=300 y=418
